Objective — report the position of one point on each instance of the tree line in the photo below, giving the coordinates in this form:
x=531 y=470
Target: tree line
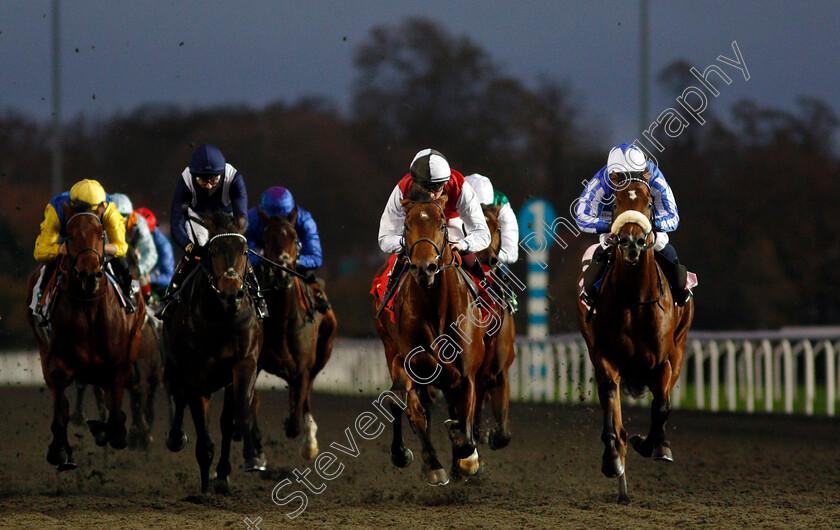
x=755 y=185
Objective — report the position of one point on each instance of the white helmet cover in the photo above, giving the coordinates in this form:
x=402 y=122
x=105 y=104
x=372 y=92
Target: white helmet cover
x=626 y=158
x=123 y=204
x=482 y=186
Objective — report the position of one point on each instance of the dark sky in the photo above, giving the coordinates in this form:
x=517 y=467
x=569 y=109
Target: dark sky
x=255 y=52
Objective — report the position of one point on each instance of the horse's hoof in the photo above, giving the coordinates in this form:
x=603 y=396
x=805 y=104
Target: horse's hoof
x=663 y=453
x=77 y=420
x=309 y=452
x=612 y=467
x=99 y=432
x=118 y=438
x=255 y=463
x=624 y=501
x=176 y=445
x=469 y=466
x=641 y=446
x=402 y=460
x=499 y=440
x=437 y=477
x=58 y=456
x=67 y=465
x=292 y=428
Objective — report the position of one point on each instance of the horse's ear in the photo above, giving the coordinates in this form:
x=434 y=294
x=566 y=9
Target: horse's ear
x=497 y=209
x=442 y=201
x=68 y=211
x=100 y=209
x=292 y=217
x=264 y=217
x=209 y=225
x=407 y=204
x=241 y=223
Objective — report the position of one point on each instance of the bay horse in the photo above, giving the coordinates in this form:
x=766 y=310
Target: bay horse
x=435 y=341
x=214 y=339
x=146 y=377
x=297 y=345
x=636 y=338
x=499 y=346
x=92 y=339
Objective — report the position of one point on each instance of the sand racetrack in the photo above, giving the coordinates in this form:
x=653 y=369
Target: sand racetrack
x=729 y=471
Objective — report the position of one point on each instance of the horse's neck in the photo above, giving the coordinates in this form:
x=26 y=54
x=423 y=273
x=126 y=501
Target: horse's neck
x=284 y=305
x=641 y=279
x=436 y=303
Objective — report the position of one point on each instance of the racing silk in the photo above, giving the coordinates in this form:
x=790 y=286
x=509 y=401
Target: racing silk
x=309 y=256
x=139 y=236
x=593 y=211
x=162 y=272
x=461 y=202
x=53 y=228
x=509 y=252
x=231 y=197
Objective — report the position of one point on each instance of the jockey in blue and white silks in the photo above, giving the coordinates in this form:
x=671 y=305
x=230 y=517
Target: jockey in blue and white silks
x=278 y=201
x=593 y=214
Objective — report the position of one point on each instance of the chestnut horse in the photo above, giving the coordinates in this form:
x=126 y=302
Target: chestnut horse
x=92 y=339
x=296 y=346
x=493 y=376
x=436 y=341
x=214 y=339
x=636 y=337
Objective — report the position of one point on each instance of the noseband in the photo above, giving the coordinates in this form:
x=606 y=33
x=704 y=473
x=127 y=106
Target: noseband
x=214 y=280
x=100 y=255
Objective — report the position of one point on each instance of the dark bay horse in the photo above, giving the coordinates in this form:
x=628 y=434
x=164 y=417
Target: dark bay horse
x=92 y=339
x=499 y=345
x=637 y=336
x=214 y=339
x=296 y=346
x=436 y=341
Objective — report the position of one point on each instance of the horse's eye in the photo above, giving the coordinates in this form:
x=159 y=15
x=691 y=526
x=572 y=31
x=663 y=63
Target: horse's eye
x=406 y=228
x=442 y=228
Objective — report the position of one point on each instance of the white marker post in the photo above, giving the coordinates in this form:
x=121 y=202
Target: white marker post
x=534 y=219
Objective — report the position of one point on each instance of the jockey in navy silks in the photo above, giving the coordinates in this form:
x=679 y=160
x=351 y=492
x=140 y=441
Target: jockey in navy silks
x=593 y=214
x=207 y=185
x=278 y=201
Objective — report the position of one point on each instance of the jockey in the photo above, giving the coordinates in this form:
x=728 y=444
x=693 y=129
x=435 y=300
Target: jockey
x=85 y=196
x=137 y=235
x=430 y=172
x=278 y=201
x=593 y=214
x=487 y=196
x=207 y=185
x=161 y=273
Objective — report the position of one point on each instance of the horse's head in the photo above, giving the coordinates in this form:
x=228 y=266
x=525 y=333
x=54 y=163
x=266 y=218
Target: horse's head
x=632 y=214
x=226 y=263
x=425 y=237
x=281 y=245
x=85 y=244
x=490 y=255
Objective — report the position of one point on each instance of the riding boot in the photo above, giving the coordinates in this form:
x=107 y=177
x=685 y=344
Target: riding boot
x=507 y=291
x=676 y=273
x=170 y=297
x=593 y=273
x=472 y=264
x=256 y=294
x=322 y=305
x=393 y=281
x=129 y=286
x=48 y=281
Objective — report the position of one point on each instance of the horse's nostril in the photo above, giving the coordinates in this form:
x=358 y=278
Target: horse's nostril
x=494 y=261
x=431 y=268
x=98 y=275
x=240 y=294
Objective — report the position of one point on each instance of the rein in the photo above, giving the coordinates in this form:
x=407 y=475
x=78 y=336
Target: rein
x=74 y=260
x=440 y=250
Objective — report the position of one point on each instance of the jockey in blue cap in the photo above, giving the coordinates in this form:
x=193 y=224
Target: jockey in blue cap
x=278 y=201
x=593 y=214
x=207 y=185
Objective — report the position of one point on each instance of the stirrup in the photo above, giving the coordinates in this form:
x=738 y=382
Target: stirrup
x=587 y=299
x=322 y=305
x=261 y=307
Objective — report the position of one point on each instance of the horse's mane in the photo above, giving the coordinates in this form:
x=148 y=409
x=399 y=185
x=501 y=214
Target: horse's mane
x=418 y=194
x=224 y=222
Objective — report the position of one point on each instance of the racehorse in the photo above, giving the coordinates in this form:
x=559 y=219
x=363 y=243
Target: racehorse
x=434 y=341
x=92 y=339
x=298 y=341
x=636 y=337
x=146 y=378
x=499 y=346
x=214 y=339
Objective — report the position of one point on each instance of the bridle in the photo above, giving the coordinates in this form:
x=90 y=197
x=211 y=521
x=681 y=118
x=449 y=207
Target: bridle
x=213 y=279
x=288 y=269
x=100 y=255
x=439 y=250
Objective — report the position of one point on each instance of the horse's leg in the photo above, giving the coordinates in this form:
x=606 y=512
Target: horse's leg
x=149 y=413
x=310 y=428
x=461 y=432
x=99 y=427
x=256 y=433
x=176 y=439
x=138 y=394
x=655 y=444
x=244 y=378
x=115 y=428
x=78 y=417
x=500 y=400
x=296 y=393
x=223 y=468
x=481 y=391
x=59 y=453
x=433 y=470
x=204 y=447
x=613 y=435
x=401 y=456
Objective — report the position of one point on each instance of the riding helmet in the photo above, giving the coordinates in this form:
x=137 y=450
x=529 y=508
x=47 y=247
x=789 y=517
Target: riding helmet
x=429 y=167
x=207 y=160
